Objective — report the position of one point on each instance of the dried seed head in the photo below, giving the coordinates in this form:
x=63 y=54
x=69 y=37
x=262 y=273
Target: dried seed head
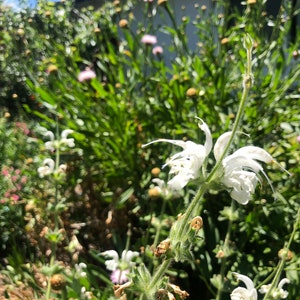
x=161 y=2
x=58 y=282
x=153 y=193
x=224 y=41
x=220 y=254
x=123 y=23
x=182 y=294
x=191 y=92
x=162 y=248
x=155 y=172
x=119 y=290
x=51 y=69
x=196 y=223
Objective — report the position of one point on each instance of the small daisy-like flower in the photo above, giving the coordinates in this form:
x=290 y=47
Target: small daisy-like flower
x=185 y=165
x=120 y=268
x=241 y=293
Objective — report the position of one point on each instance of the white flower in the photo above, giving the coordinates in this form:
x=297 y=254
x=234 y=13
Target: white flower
x=53 y=144
x=185 y=165
x=163 y=189
x=47 y=168
x=241 y=169
x=240 y=293
x=67 y=141
x=50 y=145
x=278 y=292
x=119 y=267
x=80 y=269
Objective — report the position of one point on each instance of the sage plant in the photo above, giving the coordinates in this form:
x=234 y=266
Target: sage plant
x=238 y=173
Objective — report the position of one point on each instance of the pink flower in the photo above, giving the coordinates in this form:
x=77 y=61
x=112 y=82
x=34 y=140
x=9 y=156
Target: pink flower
x=157 y=50
x=23 y=179
x=86 y=75
x=23 y=127
x=298 y=138
x=5 y=172
x=119 y=267
x=119 y=276
x=149 y=39
x=15 y=197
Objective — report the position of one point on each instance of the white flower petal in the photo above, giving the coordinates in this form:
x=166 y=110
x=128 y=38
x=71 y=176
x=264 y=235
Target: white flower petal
x=208 y=137
x=283 y=282
x=174 y=142
x=66 y=132
x=111 y=264
x=127 y=256
x=221 y=144
x=241 y=293
x=253 y=152
x=248 y=282
x=50 y=134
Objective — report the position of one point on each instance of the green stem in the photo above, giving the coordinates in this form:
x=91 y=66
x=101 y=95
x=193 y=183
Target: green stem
x=157 y=235
x=247 y=83
x=48 y=292
x=56 y=196
x=158 y=275
x=182 y=231
x=225 y=247
x=281 y=264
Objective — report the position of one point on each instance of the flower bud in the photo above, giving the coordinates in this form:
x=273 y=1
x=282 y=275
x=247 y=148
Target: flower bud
x=248 y=42
x=285 y=254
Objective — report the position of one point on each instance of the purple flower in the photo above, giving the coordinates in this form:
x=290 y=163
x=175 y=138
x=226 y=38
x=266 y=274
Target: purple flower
x=85 y=75
x=149 y=39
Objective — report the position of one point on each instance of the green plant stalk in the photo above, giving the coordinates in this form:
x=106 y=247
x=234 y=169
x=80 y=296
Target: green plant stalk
x=48 y=292
x=224 y=259
x=56 y=218
x=281 y=264
x=247 y=83
x=157 y=235
x=157 y=277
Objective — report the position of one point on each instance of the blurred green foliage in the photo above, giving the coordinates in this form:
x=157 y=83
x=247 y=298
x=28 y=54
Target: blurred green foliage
x=138 y=96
